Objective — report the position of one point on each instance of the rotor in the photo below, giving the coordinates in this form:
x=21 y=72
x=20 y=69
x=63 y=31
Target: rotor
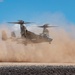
x=20 y=22
x=46 y=26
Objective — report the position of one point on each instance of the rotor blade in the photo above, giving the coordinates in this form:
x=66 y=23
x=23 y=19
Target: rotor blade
x=13 y=22
x=47 y=26
x=28 y=22
x=52 y=26
x=40 y=26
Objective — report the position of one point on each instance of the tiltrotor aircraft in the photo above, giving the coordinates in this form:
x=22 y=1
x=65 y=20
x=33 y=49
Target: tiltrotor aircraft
x=31 y=37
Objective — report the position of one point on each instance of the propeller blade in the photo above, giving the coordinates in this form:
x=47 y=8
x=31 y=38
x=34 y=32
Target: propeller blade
x=52 y=26
x=47 y=26
x=40 y=26
x=28 y=22
x=21 y=22
x=13 y=22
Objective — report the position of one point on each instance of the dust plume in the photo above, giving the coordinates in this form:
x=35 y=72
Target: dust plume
x=61 y=50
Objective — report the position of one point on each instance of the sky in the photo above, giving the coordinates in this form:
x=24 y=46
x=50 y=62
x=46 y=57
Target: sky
x=37 y=10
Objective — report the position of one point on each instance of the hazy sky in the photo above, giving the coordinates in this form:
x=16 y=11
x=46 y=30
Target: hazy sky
x=29 y=10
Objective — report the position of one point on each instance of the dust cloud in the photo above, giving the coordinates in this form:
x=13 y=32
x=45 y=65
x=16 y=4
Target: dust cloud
x=61 y=50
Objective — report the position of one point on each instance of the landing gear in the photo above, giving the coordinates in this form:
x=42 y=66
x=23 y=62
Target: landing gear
x=50 y=40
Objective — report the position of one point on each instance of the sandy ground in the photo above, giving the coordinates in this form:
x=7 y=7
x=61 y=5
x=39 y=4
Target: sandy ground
x=36 y=64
